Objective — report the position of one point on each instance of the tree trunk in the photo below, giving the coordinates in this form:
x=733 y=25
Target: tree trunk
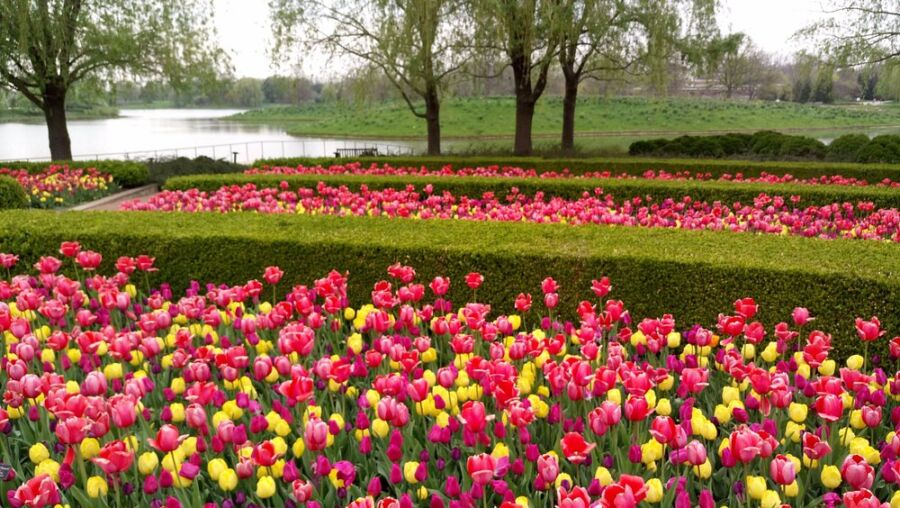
x=433 y=122
x=524 y=119
x=55 y=115
x=568 y=127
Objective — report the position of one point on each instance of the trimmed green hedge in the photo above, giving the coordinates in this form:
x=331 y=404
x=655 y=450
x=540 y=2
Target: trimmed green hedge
x=124 y=173
x=871 y=173
x=727 y=192
x=12 y=195
x=693 y=275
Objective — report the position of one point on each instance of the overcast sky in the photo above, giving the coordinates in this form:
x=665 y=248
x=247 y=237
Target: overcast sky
x=243 y=29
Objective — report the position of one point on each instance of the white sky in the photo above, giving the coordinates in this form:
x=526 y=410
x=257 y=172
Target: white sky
x=243 y=27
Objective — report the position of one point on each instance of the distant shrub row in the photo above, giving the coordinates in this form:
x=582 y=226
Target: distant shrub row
x=769 y=145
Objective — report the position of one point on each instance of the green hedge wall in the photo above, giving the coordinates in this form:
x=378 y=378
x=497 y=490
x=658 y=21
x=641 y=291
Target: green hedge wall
x=693 y=275
x=124 y=173
x=727 y=192
x=12 y=195
x=872 y=173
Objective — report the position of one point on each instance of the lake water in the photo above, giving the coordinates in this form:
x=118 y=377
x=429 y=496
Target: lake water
x=144 y=133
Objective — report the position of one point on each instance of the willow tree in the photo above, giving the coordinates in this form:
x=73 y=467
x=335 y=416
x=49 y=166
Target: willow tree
x=858 y=32
x=603 y=39
x=526 y=33
x=681 y=31
x=47 y=46
x=597 y=37
x=416 y=44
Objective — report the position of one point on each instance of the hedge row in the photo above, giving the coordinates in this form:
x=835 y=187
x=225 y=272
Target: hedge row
x=774 y=146
x=693 y=275
x=124 y=173
x=871 y=173
x=12 y=195
x=709 y=191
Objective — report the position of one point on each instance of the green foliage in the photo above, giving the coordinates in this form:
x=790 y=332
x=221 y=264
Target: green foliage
x=871 y=173
x=774 y=145
x=884 y=148
x=125 y=173
x=621 y=189
x=846 y=147
x=160 y=171
x=693 y=275
x=12 y=195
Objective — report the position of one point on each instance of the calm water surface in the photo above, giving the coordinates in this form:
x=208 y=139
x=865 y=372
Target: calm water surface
x=141 y=133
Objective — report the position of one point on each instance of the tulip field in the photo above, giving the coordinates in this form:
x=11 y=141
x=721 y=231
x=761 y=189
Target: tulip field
x=58 y=186
x=488 y=336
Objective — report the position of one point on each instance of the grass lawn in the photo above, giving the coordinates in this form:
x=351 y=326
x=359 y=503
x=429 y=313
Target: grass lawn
x=485 y=119
x=29 y=115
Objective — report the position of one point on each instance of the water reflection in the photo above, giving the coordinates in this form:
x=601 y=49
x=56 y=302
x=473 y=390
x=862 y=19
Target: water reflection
x=141 y=133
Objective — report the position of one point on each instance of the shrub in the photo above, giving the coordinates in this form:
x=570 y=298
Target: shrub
x=846 y=148
x=693 y=275
x=883 y=148
x=631 y=165
x=12 y=195
x=800 y=147
x=767 y=143
x=124 y=173
x=162 y=170
x=571 y=188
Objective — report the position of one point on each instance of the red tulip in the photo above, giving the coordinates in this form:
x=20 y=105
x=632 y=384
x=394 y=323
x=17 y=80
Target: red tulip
x=601 y=287
x=523 y=302
x=72 y=430
x=70 y=249
x=637 y=409
x=473 y=416
x=575 y=448
x=481 y=468
x=88 y=260
x=801 y=316
x=167 y=439
x=869 y=330
x=37 y=492
x=871 y=415
x=474 y=280
x=746 y=307
x=264 y=454
x=863 y=498
x=303 y=490
x=857 y=472
x=114 y=458
x=273 y=275
x=829 y=407
x=316 y=435
x=576 y=498
x=663 y=428
x=440 y=285
x=628 y=492
x=814 y=447
x=782 y=470
x=548 y=467
x=745 y=444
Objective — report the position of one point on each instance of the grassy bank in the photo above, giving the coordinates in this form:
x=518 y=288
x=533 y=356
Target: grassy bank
x=484 y=119
x=23 y=115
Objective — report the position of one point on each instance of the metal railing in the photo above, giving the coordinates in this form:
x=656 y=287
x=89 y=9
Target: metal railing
x=246 y=152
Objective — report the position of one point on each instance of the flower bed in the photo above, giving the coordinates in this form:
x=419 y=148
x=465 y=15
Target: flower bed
x=118 y=394
x=766 y=214
x=62 y=186
x=569 y=188
x=871 y=173
x=374 y=169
